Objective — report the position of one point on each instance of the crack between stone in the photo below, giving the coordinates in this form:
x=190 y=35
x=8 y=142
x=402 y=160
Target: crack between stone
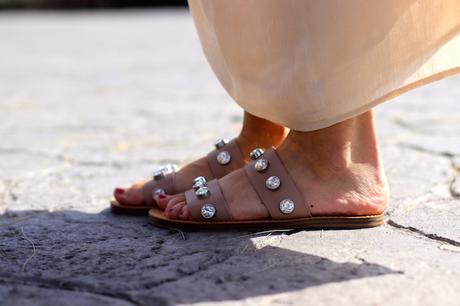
x=455 y=171
x=430 y=236
x=62 y=285
x=412 y=128
x=401 y=123
x=425 y=150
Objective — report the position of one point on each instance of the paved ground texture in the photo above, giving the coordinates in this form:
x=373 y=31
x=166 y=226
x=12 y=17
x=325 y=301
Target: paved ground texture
x=94 y=100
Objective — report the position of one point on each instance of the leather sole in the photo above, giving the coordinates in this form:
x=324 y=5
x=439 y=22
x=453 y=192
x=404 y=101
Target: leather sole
x=157 y=218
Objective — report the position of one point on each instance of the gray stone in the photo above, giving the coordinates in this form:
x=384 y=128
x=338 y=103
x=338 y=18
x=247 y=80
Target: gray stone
x=91 y=101
x=413 y=174
x=437 y=218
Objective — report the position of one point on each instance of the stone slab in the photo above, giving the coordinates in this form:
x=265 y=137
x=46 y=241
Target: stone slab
x=90 y=101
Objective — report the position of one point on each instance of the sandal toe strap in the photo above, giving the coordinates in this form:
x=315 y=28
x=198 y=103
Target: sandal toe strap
x=275 y=187
x=208 y=203
x=166 y=183
x=226 y=158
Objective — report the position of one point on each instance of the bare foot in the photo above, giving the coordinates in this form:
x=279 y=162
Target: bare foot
x=256 y=132
x=338 y=170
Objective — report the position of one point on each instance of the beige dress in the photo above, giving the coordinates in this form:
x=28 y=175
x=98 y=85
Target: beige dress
x=308 y=64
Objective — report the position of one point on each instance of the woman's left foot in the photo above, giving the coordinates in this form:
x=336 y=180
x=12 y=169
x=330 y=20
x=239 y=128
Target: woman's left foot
x=255 y=132
x=337 y=170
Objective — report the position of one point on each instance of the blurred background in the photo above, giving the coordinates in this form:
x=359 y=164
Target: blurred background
x=82 y=4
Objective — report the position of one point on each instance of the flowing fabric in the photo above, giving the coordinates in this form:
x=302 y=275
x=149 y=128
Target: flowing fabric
x=308 y=64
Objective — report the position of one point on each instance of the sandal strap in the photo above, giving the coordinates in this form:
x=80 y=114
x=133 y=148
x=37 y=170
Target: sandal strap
x=236 y=159
x=278 y=201
x=168 y=184
x=215 y=201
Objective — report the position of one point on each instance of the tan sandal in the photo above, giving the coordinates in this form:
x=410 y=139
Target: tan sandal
x=226 y=158
x=277 y=191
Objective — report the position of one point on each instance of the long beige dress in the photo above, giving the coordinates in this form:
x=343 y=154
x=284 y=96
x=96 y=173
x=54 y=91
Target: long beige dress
x=308 y=64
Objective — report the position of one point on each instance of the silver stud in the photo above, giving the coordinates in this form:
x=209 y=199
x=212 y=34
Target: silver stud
x=198 y=182
x=164 y=170
x=273 y=182
x=157 y=175
x=169 y=168
x=158 y=191
x=287 y=206
x=220 y=143
x=256 y=153
x=224 y=158
x=261 y=164
x=199 y=179
x=202 y=192
x=208 y=211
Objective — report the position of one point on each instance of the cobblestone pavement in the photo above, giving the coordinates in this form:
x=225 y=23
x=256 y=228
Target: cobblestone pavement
x=90 y=101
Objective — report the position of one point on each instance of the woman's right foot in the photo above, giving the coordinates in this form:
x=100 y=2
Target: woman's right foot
x=337 y=170
x=255 y=133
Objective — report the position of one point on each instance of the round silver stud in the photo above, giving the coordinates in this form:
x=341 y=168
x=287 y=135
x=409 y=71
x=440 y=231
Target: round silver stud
x=157 y=175
x=256 y=153
x=158 y=191
x=169 y=168
x=220 y=143
x=261 y=164
x=287 y=206
x=199 y=179
x=208 y=211
x=202 y=192
x=224 y=158
x=199 y=182
x=273 y=182
x=164 y=170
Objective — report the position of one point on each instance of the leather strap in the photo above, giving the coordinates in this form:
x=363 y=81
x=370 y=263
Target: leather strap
x=235 y=163
x=287 y=190
x=168 y=183
x=216 y=198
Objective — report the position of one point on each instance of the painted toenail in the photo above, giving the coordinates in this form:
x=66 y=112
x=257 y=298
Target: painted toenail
x=119 y=190
x=162 y=196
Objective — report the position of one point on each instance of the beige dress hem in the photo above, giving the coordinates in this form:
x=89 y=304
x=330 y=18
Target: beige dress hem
x=330 y=122
x=311 y=64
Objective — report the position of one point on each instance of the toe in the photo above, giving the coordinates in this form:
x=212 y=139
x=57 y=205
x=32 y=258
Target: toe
x=184 y=213
x=130 y=196
x=175 y=208
x=163 y=199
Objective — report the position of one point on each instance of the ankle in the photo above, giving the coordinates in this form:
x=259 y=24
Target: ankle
x=335 y=150
x=342 y=164
x=260 y=133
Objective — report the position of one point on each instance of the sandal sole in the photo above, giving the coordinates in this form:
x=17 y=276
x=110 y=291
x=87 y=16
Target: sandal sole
x=157 y=218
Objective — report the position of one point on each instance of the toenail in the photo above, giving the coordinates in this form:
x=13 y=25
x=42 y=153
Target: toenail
x=119 y=190
x=162 y=196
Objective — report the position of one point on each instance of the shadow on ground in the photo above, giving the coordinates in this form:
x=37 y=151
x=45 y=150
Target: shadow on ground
x=126 y=259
